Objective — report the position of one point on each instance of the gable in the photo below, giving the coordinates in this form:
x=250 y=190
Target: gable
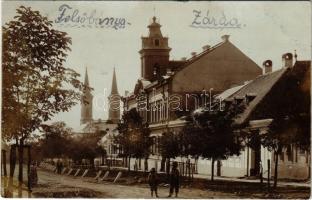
x=221 y=68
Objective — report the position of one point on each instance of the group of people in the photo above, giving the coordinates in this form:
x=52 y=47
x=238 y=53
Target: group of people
x=174 y=181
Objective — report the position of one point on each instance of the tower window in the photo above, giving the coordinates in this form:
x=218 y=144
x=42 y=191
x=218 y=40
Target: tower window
x=156 y=42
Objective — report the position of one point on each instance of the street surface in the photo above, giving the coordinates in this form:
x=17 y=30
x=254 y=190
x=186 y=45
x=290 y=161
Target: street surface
x=50 y=183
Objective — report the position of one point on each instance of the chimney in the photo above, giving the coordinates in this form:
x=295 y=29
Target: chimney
x=267 y=65
x=206 y=47
x=169 y=71
x=193 y=54
x=225 y=38
x=183 y=58
x=287 y=59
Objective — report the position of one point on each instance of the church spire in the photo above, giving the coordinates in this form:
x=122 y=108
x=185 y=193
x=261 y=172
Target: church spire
x=86 y=82
x=86 y=102
x=114 y=84
x=114 y=102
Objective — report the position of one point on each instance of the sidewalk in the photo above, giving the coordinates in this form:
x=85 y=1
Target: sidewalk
x=279 y=183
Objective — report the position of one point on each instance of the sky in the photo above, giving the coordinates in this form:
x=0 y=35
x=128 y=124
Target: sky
x=267 y=30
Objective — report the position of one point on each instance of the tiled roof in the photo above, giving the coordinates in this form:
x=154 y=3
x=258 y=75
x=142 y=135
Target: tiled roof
x=227 y=93
x=262 y=85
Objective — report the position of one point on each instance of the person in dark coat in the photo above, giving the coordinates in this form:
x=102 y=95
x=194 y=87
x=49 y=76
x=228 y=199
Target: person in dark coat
x=174 y=180
x=153 y=181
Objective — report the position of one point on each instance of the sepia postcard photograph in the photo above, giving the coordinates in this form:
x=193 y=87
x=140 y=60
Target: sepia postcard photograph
x=156 y=99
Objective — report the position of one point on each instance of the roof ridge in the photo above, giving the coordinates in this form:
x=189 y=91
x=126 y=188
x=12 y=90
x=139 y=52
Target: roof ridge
x=257 y=78
x=204 y=52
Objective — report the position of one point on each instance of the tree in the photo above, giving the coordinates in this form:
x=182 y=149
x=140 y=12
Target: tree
x=56 y=139
x=134 y=136
x=210 y=133
x=287 y=132
x=36 y=85
x=170 y=147
x=86 y=146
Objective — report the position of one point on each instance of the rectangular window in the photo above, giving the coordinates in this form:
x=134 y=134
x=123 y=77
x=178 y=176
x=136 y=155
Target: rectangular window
x=160 y=111
x=151 y=112
x=166 y=113
x=154 y=145
x=156 y=112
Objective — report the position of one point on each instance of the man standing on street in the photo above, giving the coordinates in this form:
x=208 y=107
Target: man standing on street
x=174 y=180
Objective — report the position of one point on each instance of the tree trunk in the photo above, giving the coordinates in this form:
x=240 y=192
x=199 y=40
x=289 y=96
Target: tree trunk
x=162 y=164
x=91 y=160
x=275 y=170
x=189 y=168
x=129 y=164
x=125 y=161
x=145 y=165
x=12 y=160
x=219 y=167
x=309 y=165
x=212 y=168
x=168 y=166
x=196 y=165
x=20 y=160
x=4 y=162
x=28 y=167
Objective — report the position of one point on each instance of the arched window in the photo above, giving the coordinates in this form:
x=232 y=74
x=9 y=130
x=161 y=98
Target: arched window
x=157 y=42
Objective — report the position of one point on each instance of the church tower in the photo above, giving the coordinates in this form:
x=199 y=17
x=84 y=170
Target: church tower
x=114 y=102
x=86 y=102
x=154 y=52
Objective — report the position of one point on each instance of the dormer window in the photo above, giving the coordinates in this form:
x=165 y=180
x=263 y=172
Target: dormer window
x=156 y=42
x=238 y=100
x=250 y=97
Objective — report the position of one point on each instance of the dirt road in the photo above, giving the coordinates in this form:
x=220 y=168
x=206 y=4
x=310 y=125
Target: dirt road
x=50 y=182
